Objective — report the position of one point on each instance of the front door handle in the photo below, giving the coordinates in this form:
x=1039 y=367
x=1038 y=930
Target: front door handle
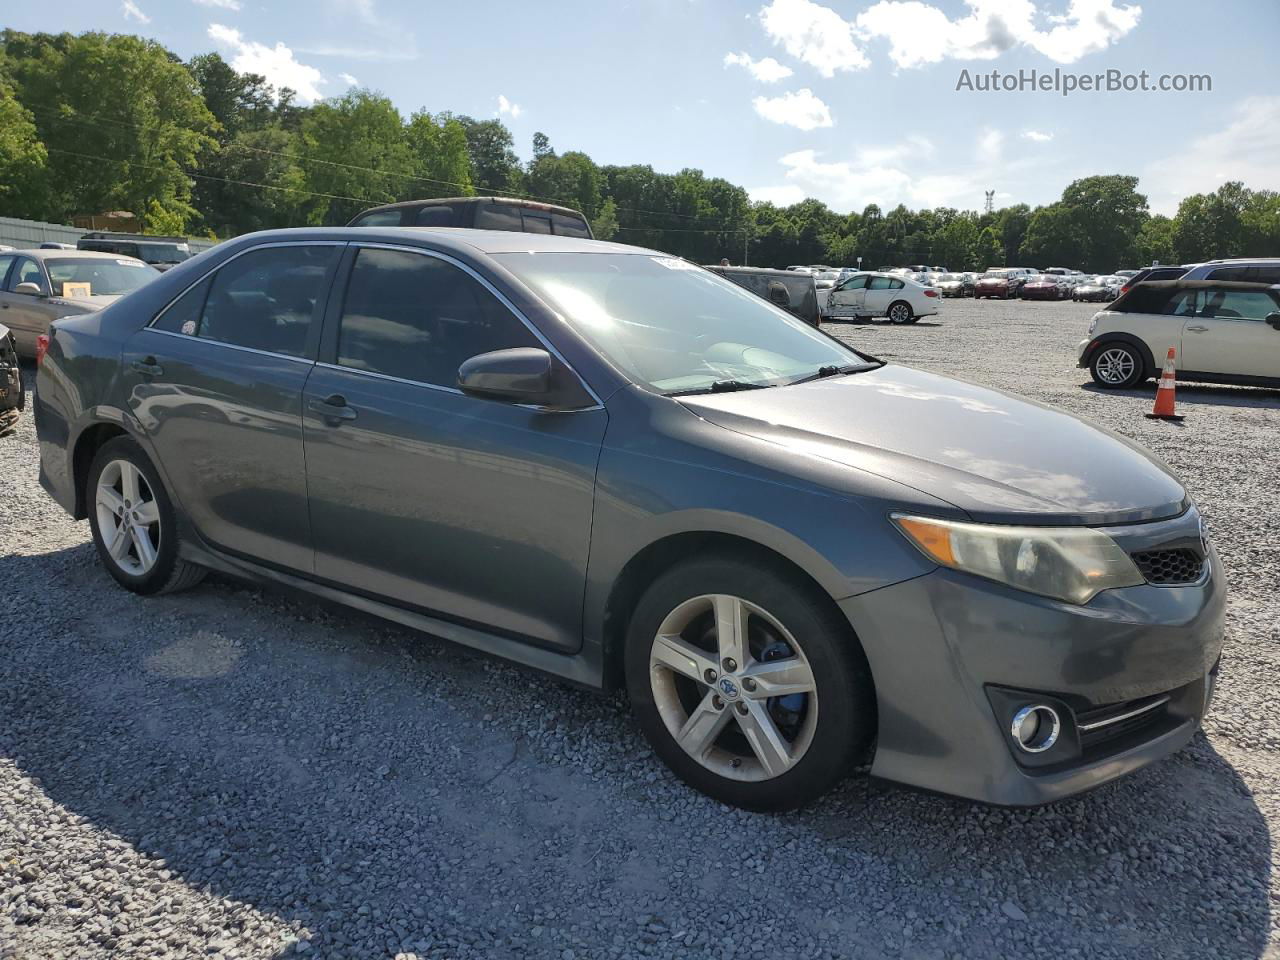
x=1198 y=329
x=148 y=367
x=332 y=407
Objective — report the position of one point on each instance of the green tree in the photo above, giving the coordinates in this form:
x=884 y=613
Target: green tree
x=605 y=225
x=440 y=160
x=1106 y=214
x=22 y=157
x=495 y=168
x=122 y=119
x=956 y=244
x=1053 y=237
x=988 y=251
x=354 y=149
x=1155 y=242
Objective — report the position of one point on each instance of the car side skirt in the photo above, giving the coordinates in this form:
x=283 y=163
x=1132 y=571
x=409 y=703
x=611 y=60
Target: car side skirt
x=581 y=669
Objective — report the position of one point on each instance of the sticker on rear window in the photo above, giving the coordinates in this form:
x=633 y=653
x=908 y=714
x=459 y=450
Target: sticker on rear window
x=130 y=263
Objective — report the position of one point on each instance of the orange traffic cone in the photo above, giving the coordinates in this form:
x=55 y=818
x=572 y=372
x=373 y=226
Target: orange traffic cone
x=1163 y=410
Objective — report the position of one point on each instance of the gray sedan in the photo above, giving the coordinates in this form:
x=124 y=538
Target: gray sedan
x=612 y=465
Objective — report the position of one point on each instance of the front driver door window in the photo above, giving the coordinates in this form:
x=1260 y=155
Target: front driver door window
x=1229 y=334
x=474 y=509
x=847 y=298
x=28 y=315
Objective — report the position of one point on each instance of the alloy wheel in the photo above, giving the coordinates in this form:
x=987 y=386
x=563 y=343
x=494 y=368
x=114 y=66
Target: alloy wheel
x=733 y=687
x=899 y=313
x=1116 y=366
x=128 y=517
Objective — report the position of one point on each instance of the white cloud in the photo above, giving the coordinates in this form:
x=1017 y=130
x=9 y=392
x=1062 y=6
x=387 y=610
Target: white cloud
x=349 y=80
x=131 y=11
x=990 y=145
x=1244 y=149
x=1037 y=136
x=767 y=70
x=276 y=63
x=799 y=109
x=233 y=5
x=508 y=109
x=920 y=33
x=814 y=34
x=783 y=196
x=910 y=171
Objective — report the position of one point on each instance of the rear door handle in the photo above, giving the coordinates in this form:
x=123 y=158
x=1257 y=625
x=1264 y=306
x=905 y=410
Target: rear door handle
x=1198 y=329
x=148 y=367
x=333 y=407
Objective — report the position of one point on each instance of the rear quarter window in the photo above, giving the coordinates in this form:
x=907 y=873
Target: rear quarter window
x=499 y=216
x=569 y=226
x=1143 y=300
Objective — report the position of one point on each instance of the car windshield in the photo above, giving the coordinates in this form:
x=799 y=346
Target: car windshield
x=949 y=278
x=104 y=277
x=675 y=326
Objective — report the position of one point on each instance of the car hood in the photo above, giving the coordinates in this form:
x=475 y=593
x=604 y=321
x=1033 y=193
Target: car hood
x=997 y=457
x=994 y=280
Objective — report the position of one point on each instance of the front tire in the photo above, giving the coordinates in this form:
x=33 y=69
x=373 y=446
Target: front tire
x=133 y=522
x=1117 y=366
x=748 y=683
x=899 y=312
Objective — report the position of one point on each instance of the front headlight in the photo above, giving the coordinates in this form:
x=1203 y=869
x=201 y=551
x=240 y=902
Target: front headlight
x=1067 y=563
x=1093 y=325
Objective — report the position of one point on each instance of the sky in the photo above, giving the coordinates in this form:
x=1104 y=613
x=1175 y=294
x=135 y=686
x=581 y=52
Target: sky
x=849 y=101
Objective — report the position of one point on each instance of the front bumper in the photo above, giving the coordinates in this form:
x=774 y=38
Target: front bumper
x=1083 y=349
x=951 y=652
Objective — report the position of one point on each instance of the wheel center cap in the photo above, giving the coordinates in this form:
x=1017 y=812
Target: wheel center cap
x=728 y=689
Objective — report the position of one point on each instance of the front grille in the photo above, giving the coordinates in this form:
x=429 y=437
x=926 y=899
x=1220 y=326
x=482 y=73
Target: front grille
x=1115 y=720
x=1169 y=567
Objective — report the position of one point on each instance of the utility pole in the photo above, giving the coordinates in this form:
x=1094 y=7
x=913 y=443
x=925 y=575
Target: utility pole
x=991 y=201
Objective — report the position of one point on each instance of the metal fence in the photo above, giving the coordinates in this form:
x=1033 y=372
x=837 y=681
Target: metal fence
x=24 y=234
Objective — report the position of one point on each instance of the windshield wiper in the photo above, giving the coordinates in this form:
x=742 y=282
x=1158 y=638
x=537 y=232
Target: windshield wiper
x=721 y=386
x=835 y=371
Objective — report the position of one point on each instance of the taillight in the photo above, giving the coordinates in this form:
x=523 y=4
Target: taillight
x=931 y=293
x=42 y=347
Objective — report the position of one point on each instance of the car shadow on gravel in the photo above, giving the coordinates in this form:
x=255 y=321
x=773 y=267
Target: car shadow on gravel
x=1203 y=394
x=380 y=792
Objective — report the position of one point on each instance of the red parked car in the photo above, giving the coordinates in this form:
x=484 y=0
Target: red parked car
x=1046 y=287
x=997 y=283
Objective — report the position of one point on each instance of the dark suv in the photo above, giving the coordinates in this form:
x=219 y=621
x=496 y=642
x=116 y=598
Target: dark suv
x=480 y=213
x=161 y=252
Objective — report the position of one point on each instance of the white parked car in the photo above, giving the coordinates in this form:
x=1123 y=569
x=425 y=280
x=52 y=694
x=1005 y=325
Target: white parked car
x=1223 y=332
x=899 y=298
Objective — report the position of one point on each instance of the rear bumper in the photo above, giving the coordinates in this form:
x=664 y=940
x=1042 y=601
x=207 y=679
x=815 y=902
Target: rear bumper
x=953 y=656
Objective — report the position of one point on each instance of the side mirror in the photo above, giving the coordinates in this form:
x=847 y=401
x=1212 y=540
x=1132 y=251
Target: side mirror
x=29 y=289
x=1274 y=320
x=526 y=375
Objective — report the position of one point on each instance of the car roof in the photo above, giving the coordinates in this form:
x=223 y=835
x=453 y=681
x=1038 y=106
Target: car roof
x=1208 y=285
x=462 y=239
x=47 y=254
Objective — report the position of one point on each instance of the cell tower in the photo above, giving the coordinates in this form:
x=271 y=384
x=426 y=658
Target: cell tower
x=991 y=201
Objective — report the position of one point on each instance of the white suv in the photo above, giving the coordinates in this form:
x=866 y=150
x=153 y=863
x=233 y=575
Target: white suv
x=1222 y=332
x=1266 y=270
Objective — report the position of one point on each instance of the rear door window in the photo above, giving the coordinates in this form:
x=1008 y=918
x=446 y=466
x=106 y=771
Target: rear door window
x=268 y=299
x=536 y=221
x=499 y=216
x=380 y=218
x=436 y=215
x=183 y=315
x=1262 y=274
x=569 y=226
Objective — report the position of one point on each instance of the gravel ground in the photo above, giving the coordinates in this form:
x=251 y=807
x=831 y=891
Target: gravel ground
x=243 y=773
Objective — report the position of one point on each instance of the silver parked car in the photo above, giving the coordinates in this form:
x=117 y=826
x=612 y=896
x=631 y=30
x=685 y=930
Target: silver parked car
x=39 y=286
x=613 y=465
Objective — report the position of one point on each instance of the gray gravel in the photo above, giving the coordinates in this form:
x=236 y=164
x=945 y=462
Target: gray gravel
x=242 y=773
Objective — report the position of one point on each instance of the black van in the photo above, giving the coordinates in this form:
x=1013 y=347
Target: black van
x=793 y=290
x=479 y=213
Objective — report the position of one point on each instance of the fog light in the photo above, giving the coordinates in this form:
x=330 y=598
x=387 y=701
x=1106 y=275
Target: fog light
x=1035 y=728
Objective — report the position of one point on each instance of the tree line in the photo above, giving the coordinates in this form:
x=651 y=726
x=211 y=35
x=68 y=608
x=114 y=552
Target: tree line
x=96 y=122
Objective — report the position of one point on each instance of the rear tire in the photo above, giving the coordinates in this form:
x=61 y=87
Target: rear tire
x=900 y=312
x=1117 y=365
x=133 y=522
x=804 y=742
